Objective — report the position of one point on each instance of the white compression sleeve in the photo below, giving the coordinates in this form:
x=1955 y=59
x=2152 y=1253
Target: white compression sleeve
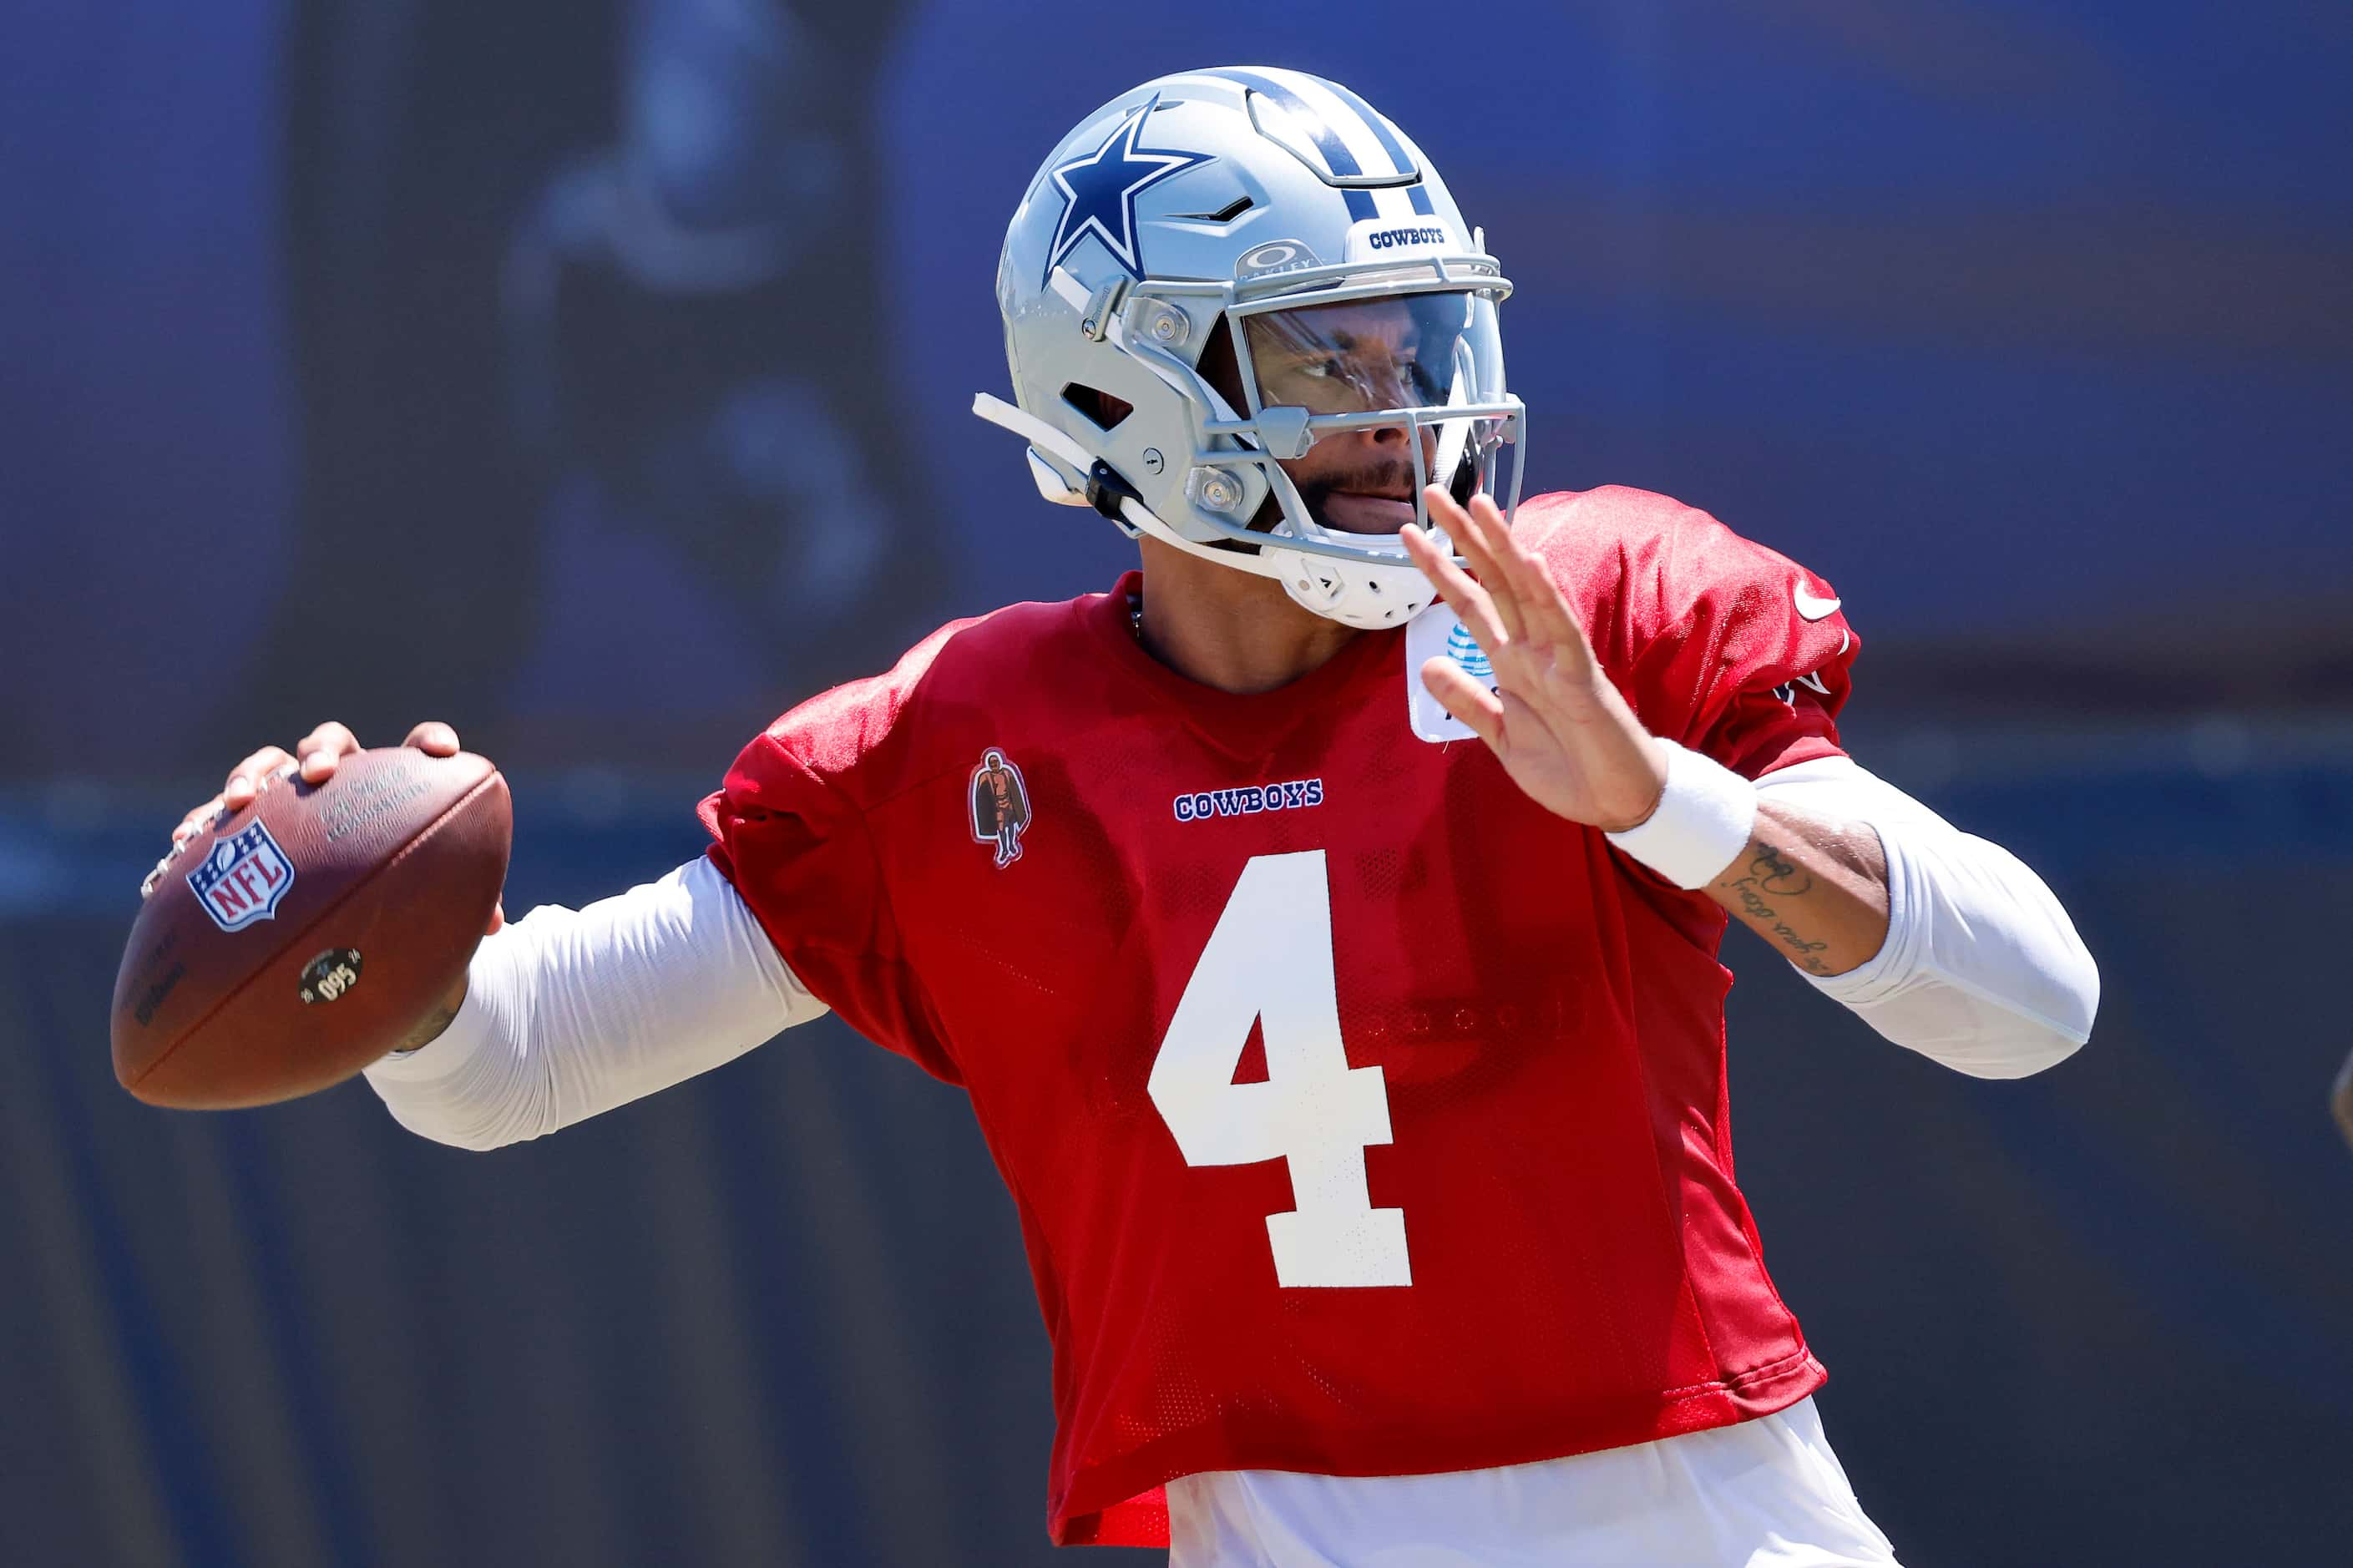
x=569 y=1013
x=1981 y=970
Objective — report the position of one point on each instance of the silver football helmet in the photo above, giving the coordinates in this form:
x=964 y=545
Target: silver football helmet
x=1281 y=208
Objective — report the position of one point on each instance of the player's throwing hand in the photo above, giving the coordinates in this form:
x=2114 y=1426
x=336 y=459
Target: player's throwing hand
x=1554 y=719
x=315 y=758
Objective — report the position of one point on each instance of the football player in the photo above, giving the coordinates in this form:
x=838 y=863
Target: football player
x=1348 y=1027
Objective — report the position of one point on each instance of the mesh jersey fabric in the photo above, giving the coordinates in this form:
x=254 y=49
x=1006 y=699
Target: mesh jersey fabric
x=1546 y=1017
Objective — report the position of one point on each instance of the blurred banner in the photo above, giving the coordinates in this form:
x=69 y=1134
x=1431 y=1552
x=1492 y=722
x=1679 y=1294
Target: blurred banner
x=596 y=375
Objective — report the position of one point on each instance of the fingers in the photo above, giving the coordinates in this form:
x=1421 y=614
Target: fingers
x=315 y=758
x=434 y=738
x=197 y=821
x=194 y=823
x=1466 y=699
x=246 y=779
x=1468 y=535
x=1471 y=601
x=324 y=749
x=1543 y=612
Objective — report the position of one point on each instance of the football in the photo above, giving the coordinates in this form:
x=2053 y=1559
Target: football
x=284 y=949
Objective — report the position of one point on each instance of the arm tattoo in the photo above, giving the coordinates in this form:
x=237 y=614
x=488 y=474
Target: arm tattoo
x=1771 y=873
x=430 y=1028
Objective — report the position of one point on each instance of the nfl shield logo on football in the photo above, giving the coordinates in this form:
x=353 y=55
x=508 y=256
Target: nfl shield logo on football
x=243 y=878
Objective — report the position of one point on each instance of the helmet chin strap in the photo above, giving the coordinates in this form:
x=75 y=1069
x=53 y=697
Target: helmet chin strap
x=1048 y=441
x=1067 y=454
x=1365 y=595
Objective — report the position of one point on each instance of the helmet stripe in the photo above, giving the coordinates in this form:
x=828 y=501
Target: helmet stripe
x=1336 y=156
x=1375 y=151
x=1369 y=141
x=1399 y=159
x=1370 y=151
x=1368 y=123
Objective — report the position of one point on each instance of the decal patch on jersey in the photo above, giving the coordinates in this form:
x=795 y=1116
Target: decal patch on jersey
x=1296 y=794
x=1438 y=631
x=999 y=806
x=1464 y=650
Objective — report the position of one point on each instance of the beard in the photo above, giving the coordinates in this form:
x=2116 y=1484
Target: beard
x=1390 y=479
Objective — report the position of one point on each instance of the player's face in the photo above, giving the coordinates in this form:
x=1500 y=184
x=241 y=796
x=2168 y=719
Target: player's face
x=1353 y=358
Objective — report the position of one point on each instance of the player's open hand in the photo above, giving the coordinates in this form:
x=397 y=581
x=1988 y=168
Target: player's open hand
x=1559 y=727
x=315 y=758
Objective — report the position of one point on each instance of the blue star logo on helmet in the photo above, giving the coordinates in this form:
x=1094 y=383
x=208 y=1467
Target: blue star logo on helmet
x=1464 y=650
x=1102 y=188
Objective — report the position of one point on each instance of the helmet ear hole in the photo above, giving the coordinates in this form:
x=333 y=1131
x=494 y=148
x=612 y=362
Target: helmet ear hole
x=1099 y=407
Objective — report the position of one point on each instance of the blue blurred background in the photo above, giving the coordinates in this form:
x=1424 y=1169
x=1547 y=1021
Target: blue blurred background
x=594 y=375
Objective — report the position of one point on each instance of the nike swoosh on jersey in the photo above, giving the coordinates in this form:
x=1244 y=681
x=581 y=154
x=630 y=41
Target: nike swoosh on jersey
x=1809 y=606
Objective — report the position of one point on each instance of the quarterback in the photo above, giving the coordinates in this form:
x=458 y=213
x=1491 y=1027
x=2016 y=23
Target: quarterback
x=1323 y=919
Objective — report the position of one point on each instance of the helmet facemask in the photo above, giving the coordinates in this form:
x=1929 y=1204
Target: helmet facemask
x=1410 y=352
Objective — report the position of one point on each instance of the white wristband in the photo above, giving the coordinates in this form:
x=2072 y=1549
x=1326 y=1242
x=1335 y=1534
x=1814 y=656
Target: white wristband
x=1701 y=824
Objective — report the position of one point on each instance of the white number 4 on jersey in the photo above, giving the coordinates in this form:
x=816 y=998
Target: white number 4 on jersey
x=1270 y=960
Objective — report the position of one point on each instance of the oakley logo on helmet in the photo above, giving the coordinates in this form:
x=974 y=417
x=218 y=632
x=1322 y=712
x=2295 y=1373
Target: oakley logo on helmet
x=1101 y=188
x=1276 y=256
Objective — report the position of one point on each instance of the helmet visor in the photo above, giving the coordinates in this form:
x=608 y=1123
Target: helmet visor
x=1433 y=351
x=1399 y=351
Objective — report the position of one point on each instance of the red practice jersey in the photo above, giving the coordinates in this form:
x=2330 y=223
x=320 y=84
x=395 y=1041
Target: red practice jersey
x=1363 y=1117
